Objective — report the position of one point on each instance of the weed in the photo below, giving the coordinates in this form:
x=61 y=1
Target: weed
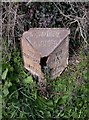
x=68 y=94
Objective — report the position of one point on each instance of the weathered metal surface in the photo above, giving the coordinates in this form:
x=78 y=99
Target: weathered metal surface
x=58 y=59
x=50 y=42
x=45 y=40
x=31 y=58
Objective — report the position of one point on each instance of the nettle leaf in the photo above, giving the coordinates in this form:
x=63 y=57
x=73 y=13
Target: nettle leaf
x=28 y=80
x=5 y=88
x=59 y=101
x=4 y=74
x=64 y=98
x=7 y=84
x=5 y=92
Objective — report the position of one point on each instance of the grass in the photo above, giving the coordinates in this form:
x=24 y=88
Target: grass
x=67 y=98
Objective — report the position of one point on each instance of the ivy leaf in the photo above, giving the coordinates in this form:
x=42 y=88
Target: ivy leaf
x=4 y=74
x=28 y=80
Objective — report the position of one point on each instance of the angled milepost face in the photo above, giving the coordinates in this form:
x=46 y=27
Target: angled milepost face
x=45 y=42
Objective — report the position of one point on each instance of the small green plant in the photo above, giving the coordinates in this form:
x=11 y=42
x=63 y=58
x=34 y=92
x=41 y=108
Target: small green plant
x=70 y=91
x=20 y=95
x=67 y=96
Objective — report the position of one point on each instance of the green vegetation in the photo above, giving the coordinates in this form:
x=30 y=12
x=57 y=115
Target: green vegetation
x=71 y=92
x=68 y=94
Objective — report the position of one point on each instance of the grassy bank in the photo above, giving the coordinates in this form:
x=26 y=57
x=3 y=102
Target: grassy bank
x=67 y=95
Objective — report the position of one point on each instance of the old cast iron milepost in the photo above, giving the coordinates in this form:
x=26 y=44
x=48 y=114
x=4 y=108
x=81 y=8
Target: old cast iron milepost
x=45 y=48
